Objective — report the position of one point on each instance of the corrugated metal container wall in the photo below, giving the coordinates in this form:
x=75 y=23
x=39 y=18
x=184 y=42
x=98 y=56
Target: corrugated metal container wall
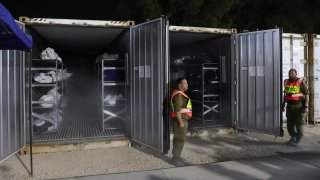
x=294 y=48
x=148 y=82
x=12 y=121
x=294 y=55
x=13 y=104
x=314 y=60
x=259 y=59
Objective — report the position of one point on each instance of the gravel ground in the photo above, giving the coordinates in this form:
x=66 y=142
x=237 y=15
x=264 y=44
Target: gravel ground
x=214 y=147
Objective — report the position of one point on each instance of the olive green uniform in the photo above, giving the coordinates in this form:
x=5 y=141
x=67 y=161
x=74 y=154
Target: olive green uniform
x=179 y=134
x=296 y=115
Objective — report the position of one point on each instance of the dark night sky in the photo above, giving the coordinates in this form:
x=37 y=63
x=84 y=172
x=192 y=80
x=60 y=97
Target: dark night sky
x=68 y=9
x=300 y=16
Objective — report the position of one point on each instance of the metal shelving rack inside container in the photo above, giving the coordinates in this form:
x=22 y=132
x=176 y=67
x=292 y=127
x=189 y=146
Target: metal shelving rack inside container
x=37 y=106
x=112 y=109
x=203 y=91
x=211 y=97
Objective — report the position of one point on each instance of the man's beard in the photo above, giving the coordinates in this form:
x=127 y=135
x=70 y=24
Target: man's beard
x=292 y=78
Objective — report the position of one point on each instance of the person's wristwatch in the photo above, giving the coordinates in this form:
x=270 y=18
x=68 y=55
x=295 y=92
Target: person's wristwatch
x=305 y=106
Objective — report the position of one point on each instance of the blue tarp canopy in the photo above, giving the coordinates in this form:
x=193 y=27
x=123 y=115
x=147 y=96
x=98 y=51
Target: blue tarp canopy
x=11 y=35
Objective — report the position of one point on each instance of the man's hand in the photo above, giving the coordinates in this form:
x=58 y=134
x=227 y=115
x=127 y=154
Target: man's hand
x=181 y=124
x=283 y=108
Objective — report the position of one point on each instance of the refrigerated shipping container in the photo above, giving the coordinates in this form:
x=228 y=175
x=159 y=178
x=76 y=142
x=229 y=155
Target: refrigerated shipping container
x=235 y=78
x=82 y=45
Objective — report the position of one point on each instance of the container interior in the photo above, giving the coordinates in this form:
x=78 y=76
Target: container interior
x=205 y=60
x=93 y=59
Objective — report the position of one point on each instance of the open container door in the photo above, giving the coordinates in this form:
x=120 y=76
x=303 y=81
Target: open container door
x=258 y=81
x=13 y=41
x=149 y=82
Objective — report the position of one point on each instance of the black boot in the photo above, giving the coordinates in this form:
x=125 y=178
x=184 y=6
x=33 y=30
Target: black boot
x=291 y=140
x=177 y=161
x=297 y=142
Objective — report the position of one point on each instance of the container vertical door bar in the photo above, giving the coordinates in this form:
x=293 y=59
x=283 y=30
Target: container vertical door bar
x=314 y=78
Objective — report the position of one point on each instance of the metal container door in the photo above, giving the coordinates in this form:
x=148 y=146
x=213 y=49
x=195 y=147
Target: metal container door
x=149 y=81
x=259 y=81
x=12 y=101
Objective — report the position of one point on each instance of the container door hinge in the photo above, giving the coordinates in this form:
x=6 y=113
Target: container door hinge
x=235 y=102
x=235 y=82
x=234 y=42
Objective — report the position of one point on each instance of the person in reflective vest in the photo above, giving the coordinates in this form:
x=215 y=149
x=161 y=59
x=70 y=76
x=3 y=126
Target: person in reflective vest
x=296 y=96
x=181 y=113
